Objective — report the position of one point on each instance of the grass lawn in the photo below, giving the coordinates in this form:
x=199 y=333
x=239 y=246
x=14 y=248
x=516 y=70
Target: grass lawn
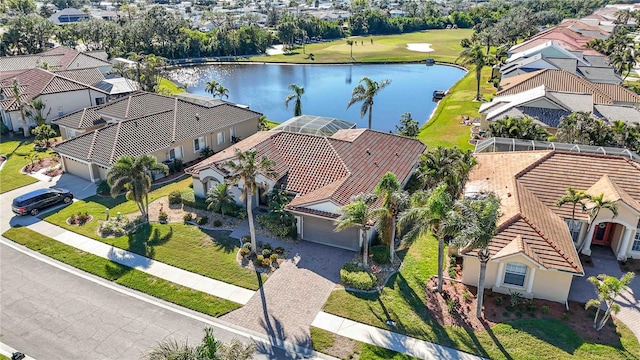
x=444 y=128
x=19 y=153
x=324 y=341
x=209 y=253
x=402 y=301
x=169 y=86
x=123 y=275
x=388 y=48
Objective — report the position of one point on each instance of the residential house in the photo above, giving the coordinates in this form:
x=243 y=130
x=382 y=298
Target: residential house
x=535 y=250
x=566 y=37
x=146 y=123
x=56 y=59
x=60 y=94
x=321 y=173
x=68 y=15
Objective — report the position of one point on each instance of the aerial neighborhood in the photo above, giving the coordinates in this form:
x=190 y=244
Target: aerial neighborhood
x=448 y=179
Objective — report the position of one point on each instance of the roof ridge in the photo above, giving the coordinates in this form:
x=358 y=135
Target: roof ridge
x=126 y=113
x=548 y=241
x=534 y=164
x=115 y=140
x=84 y=112
x=93 y=142
x=175 y=120
x=335 y=151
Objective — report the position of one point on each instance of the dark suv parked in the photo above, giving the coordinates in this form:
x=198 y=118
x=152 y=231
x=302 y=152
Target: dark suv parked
x=31 y=203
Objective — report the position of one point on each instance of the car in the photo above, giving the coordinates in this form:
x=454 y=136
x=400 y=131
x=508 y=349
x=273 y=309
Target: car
x=32 y=202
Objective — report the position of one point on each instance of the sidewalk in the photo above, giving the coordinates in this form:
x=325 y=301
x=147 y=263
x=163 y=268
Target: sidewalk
x=171 y=273
x=397 y=342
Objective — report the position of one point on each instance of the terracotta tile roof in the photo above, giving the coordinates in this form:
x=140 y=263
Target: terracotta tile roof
x=569 y=38
x=59 y=58
x=612 y=192
x=560 y=80
x=332 y=168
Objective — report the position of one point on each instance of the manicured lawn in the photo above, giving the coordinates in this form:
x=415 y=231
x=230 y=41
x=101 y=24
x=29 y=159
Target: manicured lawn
x=19 y=153
x=121 y=274
x=402 y=301
x=209 y=253
x=169 y=86
x=388 y=48
x=323 y=340
x=445 y=128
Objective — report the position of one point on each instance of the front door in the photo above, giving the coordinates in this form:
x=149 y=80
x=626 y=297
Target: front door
x=603 y=233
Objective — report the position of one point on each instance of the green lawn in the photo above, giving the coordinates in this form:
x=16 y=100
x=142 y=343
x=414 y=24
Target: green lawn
x=445 y=128
x=19 y=153
x=123 y=275
x=388 y=48
x=323 y=340
x=169 y=86
x=402 y=301
x=209 y=253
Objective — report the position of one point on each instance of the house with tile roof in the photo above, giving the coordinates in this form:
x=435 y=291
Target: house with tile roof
x=535 y=249
x=69 y=15
x=321 y=173
x=56 y=59
x=567 y=37
x=147 y=123
x=60 y=94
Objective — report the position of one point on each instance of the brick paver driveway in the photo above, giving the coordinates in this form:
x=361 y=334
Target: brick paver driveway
x=604 y=262
x=289 y=300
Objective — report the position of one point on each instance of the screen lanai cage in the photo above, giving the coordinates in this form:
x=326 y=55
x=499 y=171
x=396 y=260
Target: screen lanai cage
x=314 y=125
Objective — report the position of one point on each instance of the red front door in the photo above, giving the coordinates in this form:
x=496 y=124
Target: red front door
x=603 y=233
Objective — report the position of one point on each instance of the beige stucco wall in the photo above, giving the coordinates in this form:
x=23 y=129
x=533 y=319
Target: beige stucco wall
x=626 y=216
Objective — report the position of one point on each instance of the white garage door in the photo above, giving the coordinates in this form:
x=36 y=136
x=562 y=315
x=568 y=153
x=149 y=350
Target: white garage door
x=321 y=231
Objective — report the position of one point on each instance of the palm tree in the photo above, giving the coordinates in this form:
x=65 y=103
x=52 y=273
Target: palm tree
x=220 y=199
x=474 y=224
x=607 y=289
x=394 y=199
x=365 y=95
x=350 y=43
x=209 y=349
x=212 y=88
x=132 y=174
x=446 y=165
x=475 y=56
x=298 y=91
x=358 y=213
x=597 y=203
x=222 y=91
x=244 y=169
x=38 y=111
x=518 y=128
x=428 y=213
x=17 y=98
x=574 y=197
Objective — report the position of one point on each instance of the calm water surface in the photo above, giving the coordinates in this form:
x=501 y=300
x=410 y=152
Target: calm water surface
x=327 y=88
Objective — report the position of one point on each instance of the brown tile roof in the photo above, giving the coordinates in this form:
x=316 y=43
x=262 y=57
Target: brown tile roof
x=560 y=80
x=612 y=192
x=84 y=76
x=332 y=168
x=138 y=104
x=81 y=119
x=568 y=38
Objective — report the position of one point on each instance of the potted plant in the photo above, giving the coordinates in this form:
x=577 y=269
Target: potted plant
x=162 y=217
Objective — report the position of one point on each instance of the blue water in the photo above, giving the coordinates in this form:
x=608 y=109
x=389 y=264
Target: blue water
x=327 y=89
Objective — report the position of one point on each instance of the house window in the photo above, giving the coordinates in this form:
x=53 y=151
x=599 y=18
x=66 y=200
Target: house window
x=60 y=111
x=636 y=241
x=99 y=101
x=175 y=153
x=70 y=133
x=574 y=228
x=199 y=143
x=515 y=274
x=220 y=138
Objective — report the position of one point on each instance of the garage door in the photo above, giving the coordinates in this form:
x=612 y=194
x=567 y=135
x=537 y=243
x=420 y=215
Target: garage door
x=321 y=231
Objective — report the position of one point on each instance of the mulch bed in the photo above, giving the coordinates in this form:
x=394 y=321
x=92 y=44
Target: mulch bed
x=40 y=164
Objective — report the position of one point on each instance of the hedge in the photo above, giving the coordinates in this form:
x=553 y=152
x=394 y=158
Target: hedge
x=352 y=276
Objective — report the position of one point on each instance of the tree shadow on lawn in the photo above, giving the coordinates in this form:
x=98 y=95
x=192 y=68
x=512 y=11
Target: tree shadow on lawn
x=222 y=241
x=144 y=238
x=553 y=332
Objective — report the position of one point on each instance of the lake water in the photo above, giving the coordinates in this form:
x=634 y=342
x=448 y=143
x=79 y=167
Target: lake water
x=327 y=89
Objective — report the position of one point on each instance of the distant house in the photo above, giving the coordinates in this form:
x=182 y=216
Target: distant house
x=69 y=15
x=567 y=37
x=147 y=123
x=60 y=94
x=56 y=59
x=535 y=249
x=117 y=87
x=321 y=173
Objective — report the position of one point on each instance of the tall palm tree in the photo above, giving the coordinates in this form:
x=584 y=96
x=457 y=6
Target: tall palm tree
x=365 y=95
x=209 y=348
x=350 y=43
x=220 y=199
x=358 y=213
x=474 y=224
x=573 y=197
x=394 y=200
x=244 y=169
x=222 y=91
x=446 y=165
x=518 y=128
x=212 y=87
x=428 y=213
x=37 y=111
x=298 y=91
x=133 y=175
x=607 y=288
x=17 y=98
x=474 y=56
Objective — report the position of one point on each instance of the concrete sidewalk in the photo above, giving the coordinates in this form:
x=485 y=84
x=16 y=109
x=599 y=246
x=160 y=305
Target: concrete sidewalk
x=383 y=338
x=171 y=273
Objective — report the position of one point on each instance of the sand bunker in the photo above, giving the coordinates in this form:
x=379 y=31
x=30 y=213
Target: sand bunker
x=422 y=47
x=275 y=50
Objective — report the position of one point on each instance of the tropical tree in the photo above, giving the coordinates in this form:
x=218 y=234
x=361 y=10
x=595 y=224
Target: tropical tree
x=220 y=199
x=350 y=43
x=428 y=213
x=133 y=175
x=222 y=91
x=408 y=126
x=244 y=170
x=298 y=91
x=365 y=94
x=212 y=88
x=358 y=213
x=446 y=165
x=17 y=98
x=44 y=133
x=518 y=128
x=574 y=197
x=473 y=223
x=595 y=205
x=37 y=111
x=607 y=288
x=393 y=200
x=474 y=56
x=209 y=348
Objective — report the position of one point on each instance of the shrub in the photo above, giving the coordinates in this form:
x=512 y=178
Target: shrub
x=162 y=216
x=116 y=227
x=240 y=213
x=380 y=253
x=246 y=246
x=274 y=257
x=260 y=258
x=498 y=300
x=279 y=250
x=103 y=188
x=175 y=197
x=545 y=309
x=202 y=220
x=515 y=298
x=451 y=306
x=189 y=199
x=266 y=252
x=217 y=223
x=466 y=296
x=274 y=225
x=246 y=239
x=565 y=316
x=244 y=252
x=266 y=246
x=531 y=305
x=266 y=261
x=352 y=276
x=187 y=217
